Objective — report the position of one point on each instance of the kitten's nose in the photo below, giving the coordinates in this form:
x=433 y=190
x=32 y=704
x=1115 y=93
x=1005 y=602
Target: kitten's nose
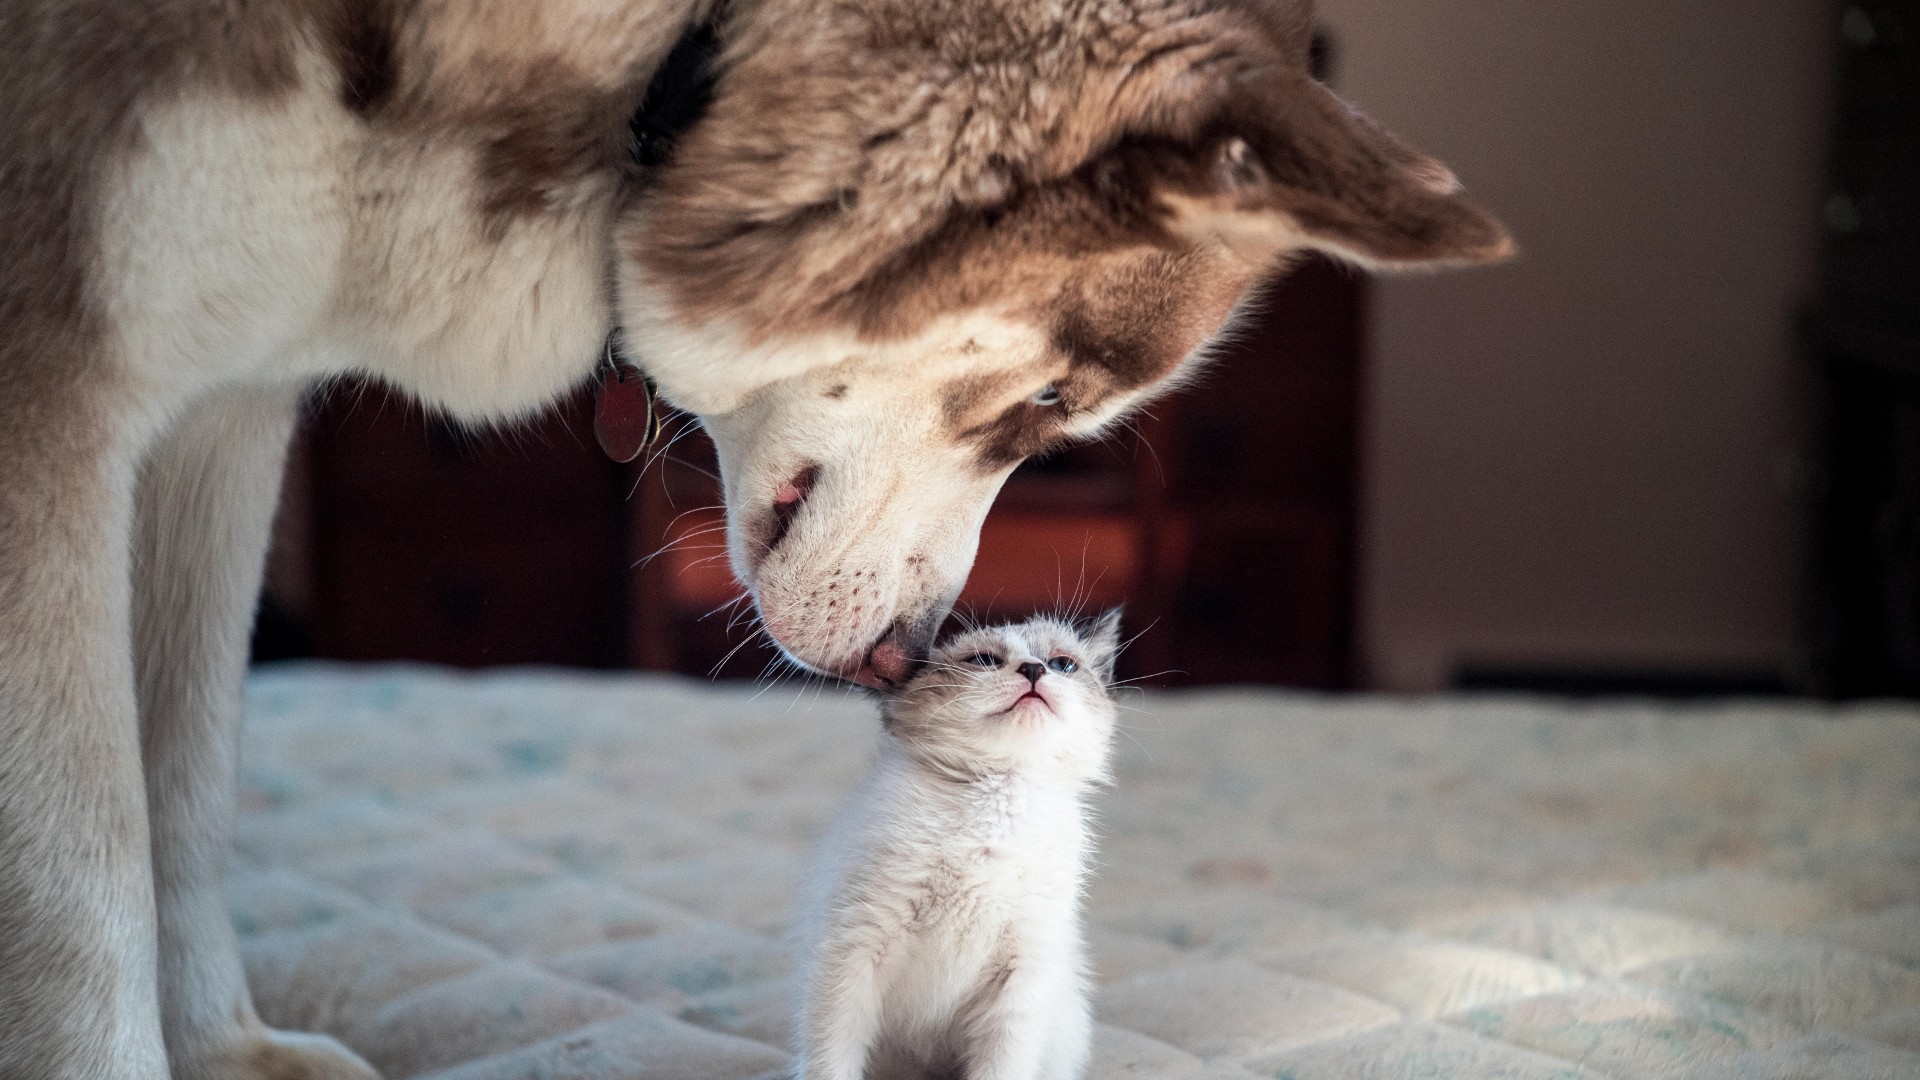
x=1032 y=671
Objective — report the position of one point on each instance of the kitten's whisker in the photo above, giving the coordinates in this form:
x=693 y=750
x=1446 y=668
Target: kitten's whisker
x=1142 y=678
x=1128 y=644
x=1148 y=754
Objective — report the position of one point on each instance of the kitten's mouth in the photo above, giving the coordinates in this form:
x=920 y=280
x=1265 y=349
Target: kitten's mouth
x=1038 y=699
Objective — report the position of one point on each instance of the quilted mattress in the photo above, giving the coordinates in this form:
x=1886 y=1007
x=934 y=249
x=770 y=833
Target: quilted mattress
x=555 y=875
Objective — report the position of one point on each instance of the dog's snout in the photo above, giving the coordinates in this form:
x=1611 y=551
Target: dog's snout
x=1032 y=671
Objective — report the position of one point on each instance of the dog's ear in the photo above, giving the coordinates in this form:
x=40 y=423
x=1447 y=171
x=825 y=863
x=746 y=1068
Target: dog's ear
x=1283 y=164
x=1290 y=22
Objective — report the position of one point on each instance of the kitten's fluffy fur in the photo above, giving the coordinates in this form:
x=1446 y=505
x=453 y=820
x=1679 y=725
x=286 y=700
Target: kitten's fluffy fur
x=944 y=917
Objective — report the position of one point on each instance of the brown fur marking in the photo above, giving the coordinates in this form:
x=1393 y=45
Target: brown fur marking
x=362 y=37
x=1093 y=122
x=548 y=117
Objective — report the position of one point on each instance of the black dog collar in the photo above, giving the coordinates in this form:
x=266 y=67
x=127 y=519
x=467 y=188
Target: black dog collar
x=677 y=97
x=625 y=419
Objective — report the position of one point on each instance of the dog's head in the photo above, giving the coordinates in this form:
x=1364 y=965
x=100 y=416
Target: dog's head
x=911 y=244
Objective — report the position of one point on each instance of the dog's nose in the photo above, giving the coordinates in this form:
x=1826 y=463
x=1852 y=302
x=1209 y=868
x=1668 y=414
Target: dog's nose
x=1032 y=671
x=889 y=663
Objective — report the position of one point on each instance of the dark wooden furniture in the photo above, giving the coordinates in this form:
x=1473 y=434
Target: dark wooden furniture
x=1265 y=459
x=1861 y=338
x=429 y=542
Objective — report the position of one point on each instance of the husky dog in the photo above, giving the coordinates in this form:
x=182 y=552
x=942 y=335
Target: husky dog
x=944 y=925
x=906 y=245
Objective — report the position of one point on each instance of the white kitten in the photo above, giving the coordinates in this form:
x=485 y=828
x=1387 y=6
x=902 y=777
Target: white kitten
x=944 y=917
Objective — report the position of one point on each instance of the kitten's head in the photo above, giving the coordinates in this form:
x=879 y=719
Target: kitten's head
x=1035 y=694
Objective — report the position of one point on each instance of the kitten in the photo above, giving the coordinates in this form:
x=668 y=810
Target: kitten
x=944 y=917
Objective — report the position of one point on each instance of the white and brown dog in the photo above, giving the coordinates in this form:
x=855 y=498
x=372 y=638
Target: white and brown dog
x=906 y=245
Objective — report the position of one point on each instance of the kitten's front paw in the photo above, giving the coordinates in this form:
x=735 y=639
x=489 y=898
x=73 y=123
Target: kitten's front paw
x=267 y=1054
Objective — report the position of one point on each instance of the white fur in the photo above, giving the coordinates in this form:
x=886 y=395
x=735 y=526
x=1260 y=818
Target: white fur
x=268 y=241
x=227 y=230
x=943 y=922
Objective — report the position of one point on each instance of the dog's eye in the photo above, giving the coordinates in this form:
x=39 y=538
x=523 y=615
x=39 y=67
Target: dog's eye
x=984 y=659
x=1065 y=665
x=1048 y=397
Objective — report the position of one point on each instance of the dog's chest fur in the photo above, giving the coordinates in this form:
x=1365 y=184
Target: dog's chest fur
x=431 y=201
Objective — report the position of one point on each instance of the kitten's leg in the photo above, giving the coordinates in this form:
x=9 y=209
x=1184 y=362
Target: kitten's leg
x=1069 y=1035
x=1011 y=1034
x=841 y=1018
x=206 y=506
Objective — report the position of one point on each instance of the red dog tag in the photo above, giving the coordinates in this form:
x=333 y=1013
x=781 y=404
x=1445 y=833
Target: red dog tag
x=623 y=417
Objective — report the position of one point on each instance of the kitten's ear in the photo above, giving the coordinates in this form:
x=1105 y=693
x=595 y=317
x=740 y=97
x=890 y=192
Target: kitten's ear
x=1103 y=644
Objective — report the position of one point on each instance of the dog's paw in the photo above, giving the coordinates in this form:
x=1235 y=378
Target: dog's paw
x=279 y=1055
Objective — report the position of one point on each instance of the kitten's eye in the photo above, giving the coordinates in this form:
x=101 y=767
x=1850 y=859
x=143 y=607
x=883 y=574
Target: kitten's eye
x=1048 y=397
x=984 y=659
x=1065 y=665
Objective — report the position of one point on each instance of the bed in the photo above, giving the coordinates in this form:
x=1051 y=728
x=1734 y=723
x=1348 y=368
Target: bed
x=539 y=874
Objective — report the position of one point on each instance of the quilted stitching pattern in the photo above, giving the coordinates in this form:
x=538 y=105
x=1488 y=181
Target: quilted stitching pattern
x=525 y=875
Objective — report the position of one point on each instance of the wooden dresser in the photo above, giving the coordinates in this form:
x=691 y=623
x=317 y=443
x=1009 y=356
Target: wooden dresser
x=1861 y=340
x=427 y=542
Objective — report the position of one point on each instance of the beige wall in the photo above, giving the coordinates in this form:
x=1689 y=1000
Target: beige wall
x=1585 y=457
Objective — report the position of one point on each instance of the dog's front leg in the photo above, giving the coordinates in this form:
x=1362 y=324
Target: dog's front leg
x=206 y=507
x=77 y=989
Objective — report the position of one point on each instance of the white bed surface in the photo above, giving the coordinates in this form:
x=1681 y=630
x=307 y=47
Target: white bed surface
x=555 y=875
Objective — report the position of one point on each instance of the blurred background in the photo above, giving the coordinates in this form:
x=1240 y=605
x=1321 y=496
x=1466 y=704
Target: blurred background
x=1673 y=447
